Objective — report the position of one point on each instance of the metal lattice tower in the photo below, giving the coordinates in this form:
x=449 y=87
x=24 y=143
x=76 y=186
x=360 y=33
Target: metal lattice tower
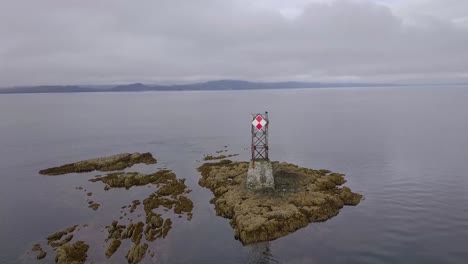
x=259 y=130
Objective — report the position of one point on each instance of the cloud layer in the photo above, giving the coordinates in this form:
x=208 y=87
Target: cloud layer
x=117 y=41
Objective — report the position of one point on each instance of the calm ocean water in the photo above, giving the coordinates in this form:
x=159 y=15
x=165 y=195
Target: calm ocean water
x=405 y=149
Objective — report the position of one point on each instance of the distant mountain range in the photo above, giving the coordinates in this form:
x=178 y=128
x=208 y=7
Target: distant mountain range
x=205 y=86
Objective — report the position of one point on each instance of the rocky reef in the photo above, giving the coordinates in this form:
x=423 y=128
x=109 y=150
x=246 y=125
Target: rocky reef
x=132 y=179
x=66 y=252
x=72 y=253
x=55 y=240
x=169 y=195
x=111 y=163
x=301 y=196
x=147 y=220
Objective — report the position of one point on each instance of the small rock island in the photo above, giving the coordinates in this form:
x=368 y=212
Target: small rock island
x=300 y=196
x=110 y=163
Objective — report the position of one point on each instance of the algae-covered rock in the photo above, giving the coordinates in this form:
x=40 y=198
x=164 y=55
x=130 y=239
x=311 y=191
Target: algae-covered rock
x=154 y=223
x=136 y=253
x=129 y=179
x=72 y=253
x=210 y=157
x=220 y=157
x=301 y=196
x=169 y=196
x=179 y=203
x=56 y=244
x=111 y=163
x=183 y=205
x=348 y=197
x=137 y=233
x=113 y=246
x=58 y=235
x=115 y=231
x=166 y=227
x=173 y=187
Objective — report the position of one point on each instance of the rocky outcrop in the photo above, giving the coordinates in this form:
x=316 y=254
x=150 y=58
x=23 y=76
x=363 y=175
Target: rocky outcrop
x=54 y=240
x=72 y=253
x=113 y=246
x=301 y=196
x=111 y=163
x=130 y=179
x=169 y=195
x=136 y=253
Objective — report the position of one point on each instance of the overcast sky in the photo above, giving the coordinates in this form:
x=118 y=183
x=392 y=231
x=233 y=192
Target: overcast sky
x=159 y=41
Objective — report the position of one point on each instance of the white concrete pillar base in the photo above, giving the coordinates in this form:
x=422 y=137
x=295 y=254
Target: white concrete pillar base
x=260 y=176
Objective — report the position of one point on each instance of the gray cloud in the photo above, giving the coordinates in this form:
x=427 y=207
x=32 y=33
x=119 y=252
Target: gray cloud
x=117 y=41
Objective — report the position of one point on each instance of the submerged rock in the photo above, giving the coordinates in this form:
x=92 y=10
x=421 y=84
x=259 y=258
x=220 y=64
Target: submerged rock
x=37 y=247
x=210 y=157
x=72 y=253
x=111 y=163
x=93 y=205
x=41 y=253
x=135 y=204
x=301 y=196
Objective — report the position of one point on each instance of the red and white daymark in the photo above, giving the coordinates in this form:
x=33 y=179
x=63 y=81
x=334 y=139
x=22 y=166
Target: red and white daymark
x=259 y=122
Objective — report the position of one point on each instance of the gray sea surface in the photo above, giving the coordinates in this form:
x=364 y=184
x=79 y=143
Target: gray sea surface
x=404 y=148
